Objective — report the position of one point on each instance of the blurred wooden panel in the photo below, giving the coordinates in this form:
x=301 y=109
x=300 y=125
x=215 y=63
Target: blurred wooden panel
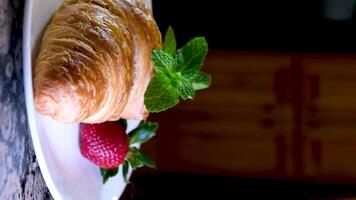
x=330 y=119
x=236 y=127
x=243 y=78
x=332 y=156
x=245 y=155
x=336 y=84
x=325 y=65
x=289 y=116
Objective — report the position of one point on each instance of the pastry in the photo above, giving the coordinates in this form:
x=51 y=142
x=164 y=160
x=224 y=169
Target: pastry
x=94 y=63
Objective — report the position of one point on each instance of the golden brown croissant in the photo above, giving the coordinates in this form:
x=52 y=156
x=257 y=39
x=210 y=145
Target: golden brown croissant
x=94 y=63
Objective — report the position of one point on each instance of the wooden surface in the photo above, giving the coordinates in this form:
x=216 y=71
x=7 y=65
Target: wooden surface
x=267 y=115
x=20 y=177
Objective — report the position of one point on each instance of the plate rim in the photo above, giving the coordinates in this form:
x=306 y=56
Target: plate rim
x=29 y=100
x=28 y=85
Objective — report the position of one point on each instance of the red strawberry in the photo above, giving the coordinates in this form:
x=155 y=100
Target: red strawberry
x=106 y=144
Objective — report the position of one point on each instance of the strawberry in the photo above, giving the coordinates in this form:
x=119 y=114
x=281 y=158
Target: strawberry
x=107 y=145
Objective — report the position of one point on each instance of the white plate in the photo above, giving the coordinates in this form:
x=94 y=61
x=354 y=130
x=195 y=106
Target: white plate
x=67 y=174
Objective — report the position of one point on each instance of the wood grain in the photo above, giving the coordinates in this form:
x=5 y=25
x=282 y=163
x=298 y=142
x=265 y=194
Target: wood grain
x=276 y=115
x=236 y=127
x=20 y=177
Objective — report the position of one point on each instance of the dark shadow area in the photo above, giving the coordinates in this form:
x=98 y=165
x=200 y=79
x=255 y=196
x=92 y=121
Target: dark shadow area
x=258 y=25
x=188 y=186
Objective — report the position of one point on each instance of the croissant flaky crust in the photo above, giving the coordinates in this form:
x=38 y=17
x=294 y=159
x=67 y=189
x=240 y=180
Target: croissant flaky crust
x=94 y=63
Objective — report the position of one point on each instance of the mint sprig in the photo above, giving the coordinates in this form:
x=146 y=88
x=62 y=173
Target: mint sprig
x=144 y=132
x=201 y=81
x=108 y=173
x=169 y=43
x=177 y=73
x=190 y=58
x=135 y=158
x=162 y=61
x=161 y=93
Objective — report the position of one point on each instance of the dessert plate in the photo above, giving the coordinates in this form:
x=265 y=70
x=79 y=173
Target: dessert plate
x=67 y=174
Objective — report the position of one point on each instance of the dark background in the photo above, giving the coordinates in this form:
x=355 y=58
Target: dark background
x=297 y=26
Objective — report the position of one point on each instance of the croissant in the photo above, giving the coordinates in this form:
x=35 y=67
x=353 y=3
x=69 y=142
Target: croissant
x=94 y=62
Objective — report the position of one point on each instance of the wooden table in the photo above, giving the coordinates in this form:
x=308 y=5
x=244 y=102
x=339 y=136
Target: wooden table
x=20 y=176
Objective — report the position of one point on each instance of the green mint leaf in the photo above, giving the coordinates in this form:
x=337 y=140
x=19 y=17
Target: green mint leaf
x=162 y=61
x=107 y=173
x=169 y=44
x=123 y=123
x=125 y=170
x=133 y=158
x=160 y=94
x=138 y=159
x=144 y=132
x=145 y=160
x=201 y=81
x=135 y=163
x=190 y=76
x=185 y=89
x=190 y=58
